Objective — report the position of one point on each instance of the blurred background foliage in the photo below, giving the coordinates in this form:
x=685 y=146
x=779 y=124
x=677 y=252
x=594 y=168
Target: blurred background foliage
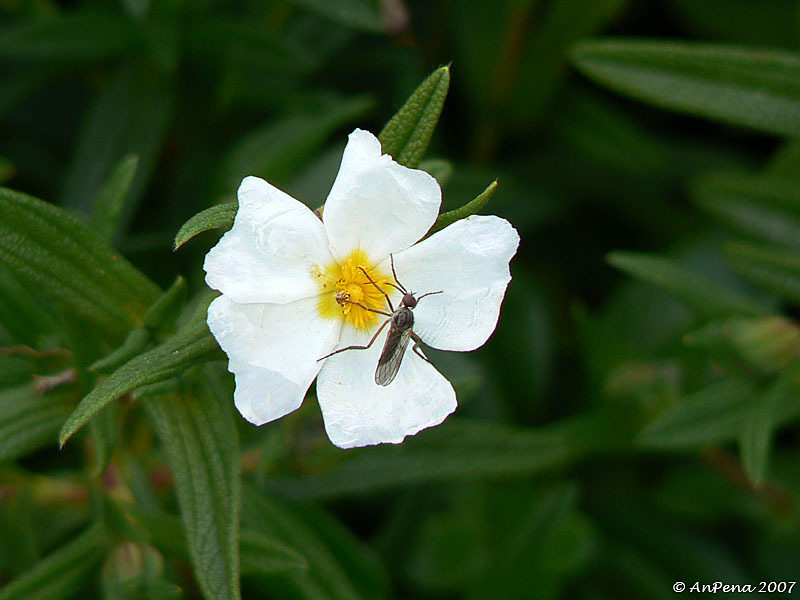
x=631 y=422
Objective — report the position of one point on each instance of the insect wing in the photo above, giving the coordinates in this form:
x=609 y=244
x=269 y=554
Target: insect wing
x=392 y=355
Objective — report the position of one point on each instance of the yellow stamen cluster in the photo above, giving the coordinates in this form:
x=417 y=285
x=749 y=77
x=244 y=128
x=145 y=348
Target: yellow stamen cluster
x=345 y=286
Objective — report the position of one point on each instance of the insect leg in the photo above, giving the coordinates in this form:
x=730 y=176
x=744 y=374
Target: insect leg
x=380 y=312
x=429 y=294
x=377 y=287
x=415 y=348
x=399 y=285
x=372 y=341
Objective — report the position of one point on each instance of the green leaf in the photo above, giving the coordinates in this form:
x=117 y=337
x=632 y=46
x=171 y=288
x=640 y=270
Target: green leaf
x=165 y=311
x=547 y=544
x=541 y=66
x=713 y=415
x=244 y=43
x=51 y=251
x=61 y=574
x=760 y=423
x=407 y=134
x=767 y=23
x=29 y=419
x=192 y=345
x=759 y=346
x=72 y=37
x=276 y=149
x=463 y=450
x=326 y=577
x=260 y=554
x=105 y=436
x=22 y=313
x=440 y=168
x=133 y=345
x=762 y=207
x=17 y=531
x=111 y=199
x=470 y=208
x=706 y=297
x=216 y=217
x=754 y=88
x=359 y=560
x=775 y=270
x=201 y=443
x=363 y=15
x=773 y=190
x=129 y=116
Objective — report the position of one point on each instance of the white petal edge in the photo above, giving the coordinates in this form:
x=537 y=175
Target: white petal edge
x=274 y=351
x=376 y=204
x=272 y=250
x=469 y=262
x=358 y=412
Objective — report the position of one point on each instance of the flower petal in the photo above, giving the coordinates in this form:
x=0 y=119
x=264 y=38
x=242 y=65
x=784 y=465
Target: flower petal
x=272 y=252
x=262 y=395
x=468 y=262
x=274 y=351
x=358 y=412
x=376 y=204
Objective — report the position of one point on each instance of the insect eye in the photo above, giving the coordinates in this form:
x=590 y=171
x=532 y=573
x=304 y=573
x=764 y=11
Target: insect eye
x=409 y=301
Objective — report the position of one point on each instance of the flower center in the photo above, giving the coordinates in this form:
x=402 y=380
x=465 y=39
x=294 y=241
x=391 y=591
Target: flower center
x=347 y=292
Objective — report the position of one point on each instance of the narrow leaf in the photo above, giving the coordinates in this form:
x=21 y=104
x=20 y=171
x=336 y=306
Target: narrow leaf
x=260 y=554
x=772 y=189
x=363 y=15
x=407 y=134
x=776 y=270
x=276 y=149
x=755 y=88
x=470 y=208
x=201 y=443
x=105 y=435
x=761 y=346
x=192 y=345
x=220 y=216
x=755 y=440
x=30 y=420
x=541 y=67
x=133 y=345
x=130 y=116
x=713 y=415
x=51 y=251
x=61 y=574
x=22 y=313
x=109 y=202
x=760 y=424
x=274 y=519
x=72 y=37
x=705 y=296
x=755 y=220
x=164 y=311
x=464 y=450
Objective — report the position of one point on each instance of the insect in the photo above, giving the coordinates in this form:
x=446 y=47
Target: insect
x=400 y=332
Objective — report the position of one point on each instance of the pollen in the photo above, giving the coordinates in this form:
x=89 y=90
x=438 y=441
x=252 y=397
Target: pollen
x=347 y=292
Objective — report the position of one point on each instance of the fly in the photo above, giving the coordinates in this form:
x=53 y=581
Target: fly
x=401 y=330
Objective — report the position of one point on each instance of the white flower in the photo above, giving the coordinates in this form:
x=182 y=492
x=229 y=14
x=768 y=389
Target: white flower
x=286 y=277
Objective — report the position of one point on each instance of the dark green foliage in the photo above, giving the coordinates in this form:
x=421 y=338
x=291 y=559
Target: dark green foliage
x=631 y=423
x=407 y=135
